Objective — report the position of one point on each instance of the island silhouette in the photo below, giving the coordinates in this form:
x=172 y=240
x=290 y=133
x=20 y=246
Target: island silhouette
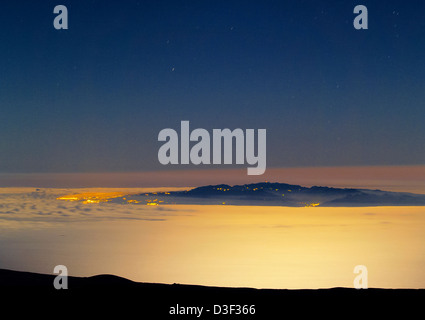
x=277 y=194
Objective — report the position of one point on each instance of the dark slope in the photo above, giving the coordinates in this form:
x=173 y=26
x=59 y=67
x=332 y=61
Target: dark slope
x=30 y=294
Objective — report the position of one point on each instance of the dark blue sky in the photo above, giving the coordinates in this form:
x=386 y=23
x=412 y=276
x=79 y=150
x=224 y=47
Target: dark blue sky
x=94 y=97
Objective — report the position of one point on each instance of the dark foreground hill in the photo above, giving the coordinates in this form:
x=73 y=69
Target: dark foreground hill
x=31 y=294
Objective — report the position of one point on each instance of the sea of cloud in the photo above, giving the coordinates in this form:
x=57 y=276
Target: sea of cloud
x=30 y=206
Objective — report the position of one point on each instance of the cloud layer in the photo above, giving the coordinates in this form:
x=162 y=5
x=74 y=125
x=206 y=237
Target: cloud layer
x=19 y=206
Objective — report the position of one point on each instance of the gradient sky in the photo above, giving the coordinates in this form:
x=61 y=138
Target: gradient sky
x=94 y=97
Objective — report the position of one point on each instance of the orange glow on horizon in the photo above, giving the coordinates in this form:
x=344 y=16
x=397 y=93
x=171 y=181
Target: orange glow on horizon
x=389 y=178
x=92 y=197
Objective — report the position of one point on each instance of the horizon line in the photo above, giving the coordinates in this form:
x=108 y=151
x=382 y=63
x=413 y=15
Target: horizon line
x=397 y=177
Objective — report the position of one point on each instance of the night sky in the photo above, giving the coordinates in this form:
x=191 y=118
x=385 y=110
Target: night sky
x=93 y=98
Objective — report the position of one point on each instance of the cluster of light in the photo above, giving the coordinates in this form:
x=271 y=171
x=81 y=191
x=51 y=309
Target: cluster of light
x=133 y=201
x=69 y=198
x=154 y=202
x=92 y=201
x=260 y=188
x=91 y=197
x=312 y=204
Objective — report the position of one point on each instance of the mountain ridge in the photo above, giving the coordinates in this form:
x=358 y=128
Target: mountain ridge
x=283 y=194
x=105 y=295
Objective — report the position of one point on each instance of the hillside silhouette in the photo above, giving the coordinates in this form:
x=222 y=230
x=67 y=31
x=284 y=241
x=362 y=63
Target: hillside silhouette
x=282 y=194
x=109 y=295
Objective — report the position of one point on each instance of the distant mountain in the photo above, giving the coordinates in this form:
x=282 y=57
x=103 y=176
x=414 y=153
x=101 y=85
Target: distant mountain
x=281 y=194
